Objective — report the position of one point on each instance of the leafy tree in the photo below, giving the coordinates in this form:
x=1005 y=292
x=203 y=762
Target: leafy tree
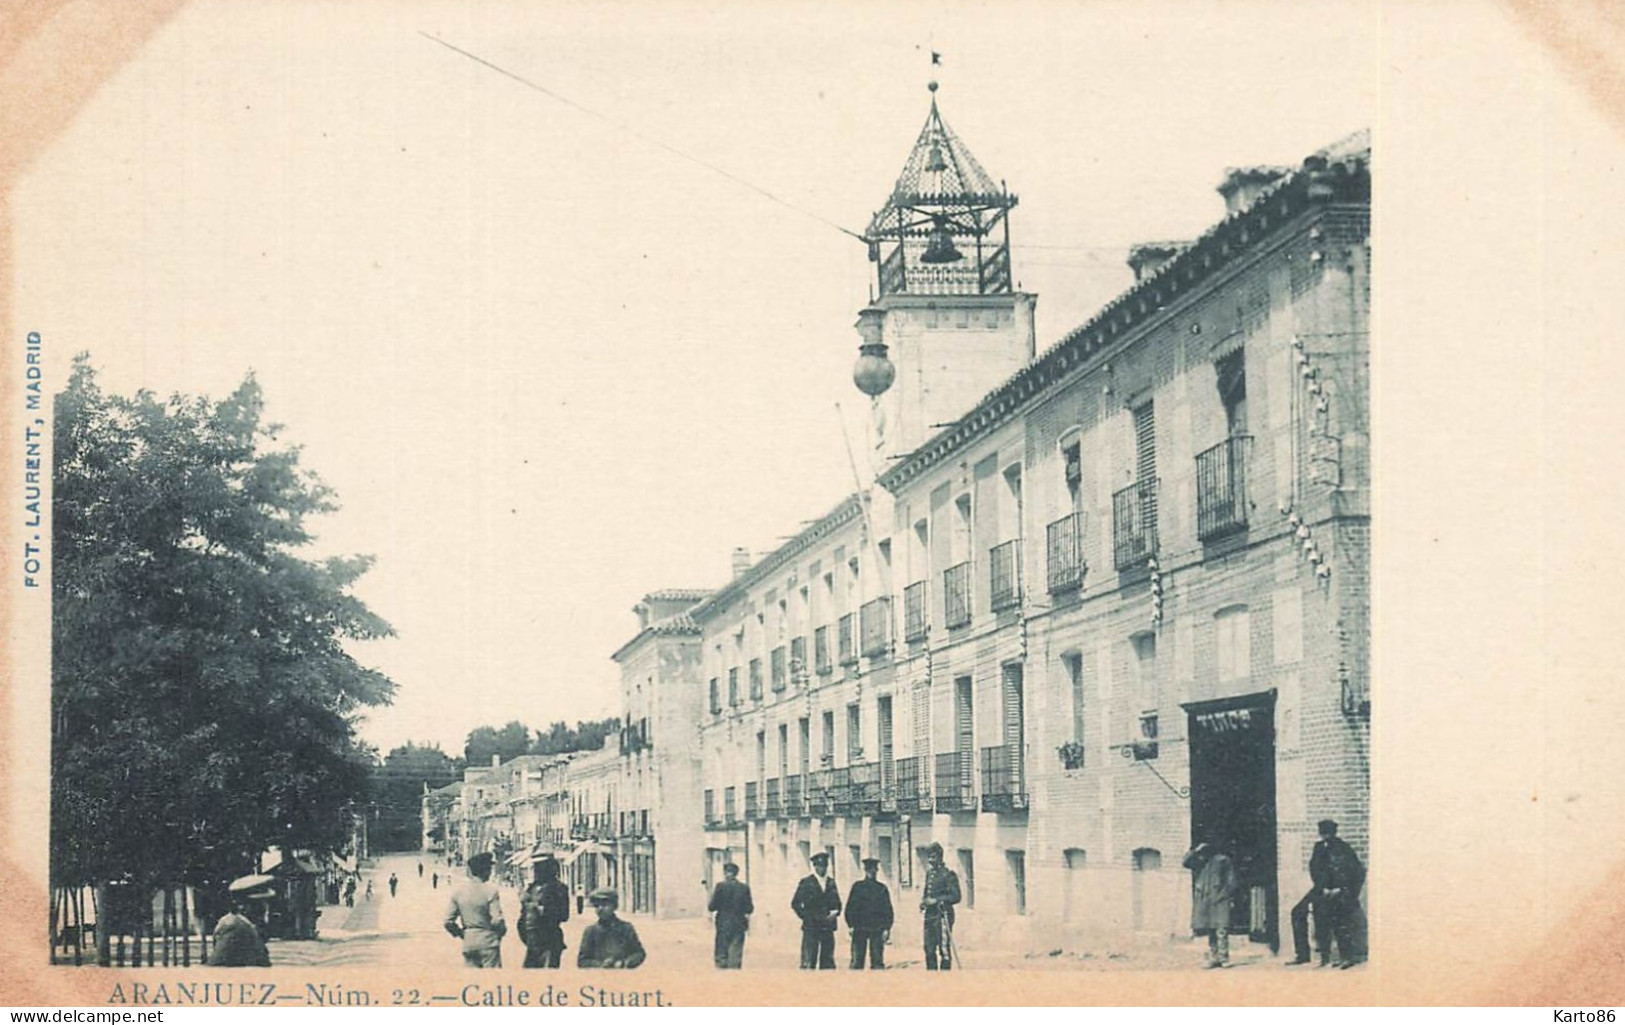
x=203 y=701
x=586 y=736
x=510 y=741
x=397 y=794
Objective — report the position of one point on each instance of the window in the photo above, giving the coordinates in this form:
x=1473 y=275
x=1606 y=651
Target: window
x=1233 y=643
x=1017 y=862
x=784 y=749
x=1231 y=371
x=1072 y=663
x=733 y=687
x=761 y=753
x=827 y=752
x=967 y=876
x=854 y=732
x=1072 y=463
x=1072 y=907
x=964 y=715
x=1146 y=859
x=804 y=733
x=716 y=697
x=1145 y=664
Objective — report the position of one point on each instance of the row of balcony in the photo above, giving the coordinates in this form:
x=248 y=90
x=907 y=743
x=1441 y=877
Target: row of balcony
x=903 y=785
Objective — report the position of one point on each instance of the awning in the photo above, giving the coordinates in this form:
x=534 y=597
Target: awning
x=587 y=847
x=247 y=885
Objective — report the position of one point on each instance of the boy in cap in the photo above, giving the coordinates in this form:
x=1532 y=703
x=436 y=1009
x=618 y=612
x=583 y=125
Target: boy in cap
x=869 y=915
x=818 y=904
x=609 y=942
x=938 y=897
x=474 y=915
x=730 y=900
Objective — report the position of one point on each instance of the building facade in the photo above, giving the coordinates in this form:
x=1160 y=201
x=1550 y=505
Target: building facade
x=1118 y=607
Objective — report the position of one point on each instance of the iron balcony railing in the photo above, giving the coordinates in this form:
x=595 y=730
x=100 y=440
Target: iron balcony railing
x=820 y=793
x=1064 y=542
x=794 y=807
x=846 y=632
x=753 y=807
x=863 y=788
x=1134 y=524
x=1004 y=574
x=840 y=789
x=874 y=626
x=956 y=595
x=798 y=660
x=1004 y=784
x=915 y=596
x=730 y=807
x=774 y=807
x=776 y=669
x=821 y=651
x=756 y=679
x=955 y=781
x=1221 y=488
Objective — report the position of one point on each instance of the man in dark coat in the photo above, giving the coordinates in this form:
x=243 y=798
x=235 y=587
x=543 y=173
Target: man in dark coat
x=610 y=942
x=937 y=900
x=730 y=901
x=543 y=908
x=869 y=914
x=1212 y=892
x=818 y=904
x=1336 y=878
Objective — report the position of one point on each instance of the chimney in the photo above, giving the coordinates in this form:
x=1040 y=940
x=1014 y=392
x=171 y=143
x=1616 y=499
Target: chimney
x=741 y=562
x=1243 y=185
x=1147 y=258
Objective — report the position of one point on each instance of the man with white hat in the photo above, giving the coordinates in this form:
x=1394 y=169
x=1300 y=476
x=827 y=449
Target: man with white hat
x=818 y=904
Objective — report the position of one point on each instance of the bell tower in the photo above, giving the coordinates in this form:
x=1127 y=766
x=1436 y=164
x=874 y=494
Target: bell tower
x=945 y=326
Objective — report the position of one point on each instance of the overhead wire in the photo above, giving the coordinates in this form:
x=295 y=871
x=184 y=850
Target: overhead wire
x=644 y=136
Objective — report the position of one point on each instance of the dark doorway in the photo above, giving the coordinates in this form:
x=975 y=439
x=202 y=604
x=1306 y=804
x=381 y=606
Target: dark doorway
x=1232 y=745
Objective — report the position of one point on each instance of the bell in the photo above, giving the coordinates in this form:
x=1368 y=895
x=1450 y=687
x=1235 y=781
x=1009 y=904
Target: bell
x=940 y=249
x=935 y=161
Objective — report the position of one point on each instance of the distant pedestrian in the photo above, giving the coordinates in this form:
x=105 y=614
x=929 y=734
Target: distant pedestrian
x=434 y=883
x=393 y=882
x=543 y=909
x=1336 y=876
x=349 y=892
x=609 y=942
x=420 y=870
x=369 y=888
x=937 y=900
x=1213 y=888
x=237 y=942
x=581 y=899
x=869 y=915
x=817 y=903
x=730 y=901
x=474 y=915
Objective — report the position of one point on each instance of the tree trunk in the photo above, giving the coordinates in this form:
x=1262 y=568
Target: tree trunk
x=104 y=953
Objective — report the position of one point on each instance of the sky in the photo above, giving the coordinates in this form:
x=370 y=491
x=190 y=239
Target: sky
x=549 y=365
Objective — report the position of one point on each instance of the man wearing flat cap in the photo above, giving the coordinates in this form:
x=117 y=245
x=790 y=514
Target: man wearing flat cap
x=937 y=900
x=1336 y=877
x=610 y=942
x=818 y=904
x=474 y=915
x=869 y=915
